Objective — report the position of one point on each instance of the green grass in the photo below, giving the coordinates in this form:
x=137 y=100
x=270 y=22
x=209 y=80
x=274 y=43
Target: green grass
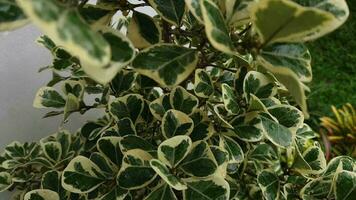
x=334 y=68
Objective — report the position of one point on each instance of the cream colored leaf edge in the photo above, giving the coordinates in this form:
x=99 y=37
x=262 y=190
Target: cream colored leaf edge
x=186 y=95
x=44 y=193
x=191 y=8
x=173 y=143
x=198 y=80
x=182 y=119
x=37 y=102
x=216 y=180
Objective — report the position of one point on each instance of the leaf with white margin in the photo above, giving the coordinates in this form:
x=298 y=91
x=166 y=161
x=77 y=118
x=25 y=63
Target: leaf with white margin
x=116 y=193
x=255 y=105
x=203 y=85
x=291 y=81
x=122 y=82
x=73 y=87
x=167 y=64
x=238 y=12
x=122 y=53
x=160 y=106
x=288 y=116
x=221 y=157
x=175 y=122
x=236 y=155
x=52 y=150
x=338 y=8
x=108 y=168
x=215 y=27
x=162 y=191
x=5 y=181
x=72 y=104
x=11 y=16
x=275 y=132
x=130 y=142
x=166 y=175
x=230 y=99
x=82 y=176
x=130 y=106
x=48 y=97
x=344 y=162
x=292 y=22
x=218 y=110
x=345 y=185
x=67 y=29
x=194 y=8
x=269 y=184
x=203 y=128
x=41 y=194
x=200 y=161
x=182 y=100
x=172 y=151
x=294 y=56
x=206 y=189
x=319 y=188
x=259 y=85
x=135 y=171
x=248 y=131
x=51 y=180
x=110 y=147
x=311 y=161
x=143 y=31
x=126 y=127
x=170 y=10
x=263 y=153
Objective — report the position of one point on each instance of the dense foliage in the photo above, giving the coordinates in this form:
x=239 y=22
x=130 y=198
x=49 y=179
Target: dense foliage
x=205 y=100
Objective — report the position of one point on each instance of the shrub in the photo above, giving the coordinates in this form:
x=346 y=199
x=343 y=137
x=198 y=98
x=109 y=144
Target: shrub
x=200 y=103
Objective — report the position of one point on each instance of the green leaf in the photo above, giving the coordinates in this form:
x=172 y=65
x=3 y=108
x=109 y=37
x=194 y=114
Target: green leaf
x=72 y=104
x=82 y=176
x=215 y=27
x=175 y=123
x=172 y=151
x=162 y=191
x=167 y=64
x=5 y=181
x=288 y=116
x=275 y=132
x=48 y=97
x=200 y=162
x=230 y=99
x=143 y=31
x=108 y=168
x=67 y=29
x=195 y=9
x=294 y=56
x=259 y=85
x=110 y=147
x=235 y=153
x=129 y=106
x=11 y=16
x=343 y=162
x=136 y=171
x=292 y=22
x=130 y=142
x=263 y=153
x=269 y=184
x=183 y=101
x=123 y=82
x=203 y=128
x=95 y=15
x=166 y=175
x=203 y=85
x=172 y=11
x=345 y=185
x=206 y=189
x=221 y=157
x=41 y=194
x=160 y=106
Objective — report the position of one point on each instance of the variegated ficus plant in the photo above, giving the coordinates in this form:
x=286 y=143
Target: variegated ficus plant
x=200 y=100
